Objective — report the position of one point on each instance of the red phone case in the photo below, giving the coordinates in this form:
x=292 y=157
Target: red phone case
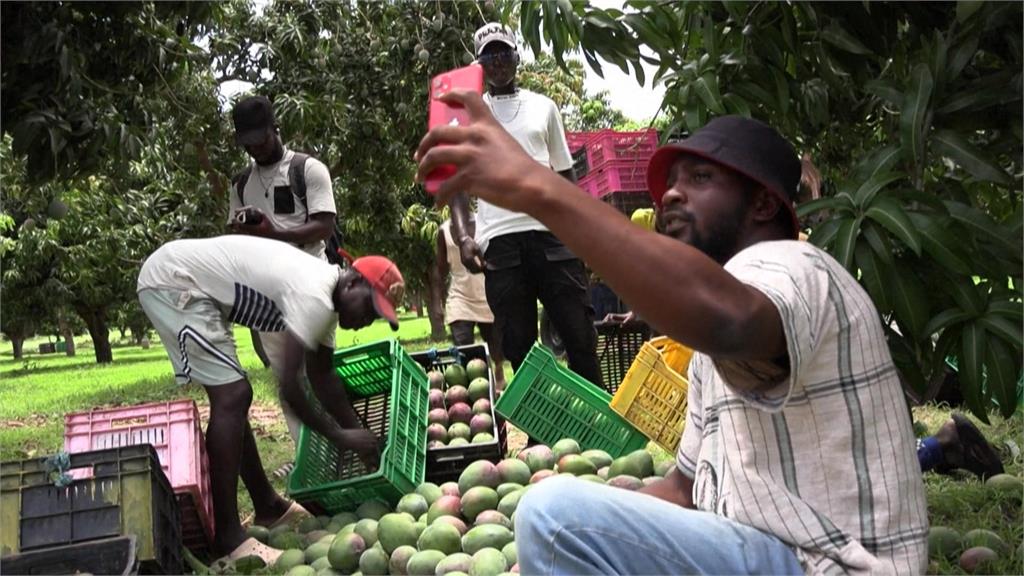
x=467 y=78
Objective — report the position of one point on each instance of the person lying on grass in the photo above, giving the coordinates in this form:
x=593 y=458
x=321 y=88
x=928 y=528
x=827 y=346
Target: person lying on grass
x=193 y=290
x=798 y=453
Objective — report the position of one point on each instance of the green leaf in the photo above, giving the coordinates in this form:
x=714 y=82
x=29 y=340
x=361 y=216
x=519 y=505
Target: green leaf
x=707 y=89
x=982 y=224
x=872 y=276
x=945 y=319
x=1004 y=329
x=972 y=98
x=878 y=242
x=967 y=156
x=709 y=38
x=877 y=162
x=846 y=241
x=1012 y=310
x=943 y=346
x=940 y=243
x=929 y=199
x=813 y=206
x=966 y=8
x=735 y=104
x=961 y=57
x=885 y=90
x=905 y=359
x=970 y=369
x=867 y=191
x=694 y=114
x=781 y=88
x=1001 y=375
x=888 y=213
x=966 y=294
x=909 y=301
x=837 y=36
x=754 y=92
x=914 y=113
x=825 y=233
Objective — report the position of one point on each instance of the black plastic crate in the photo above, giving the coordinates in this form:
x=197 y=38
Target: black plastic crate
x=117 y=491
x=109 y=556
x=446 y=464
x=580 y=165
x=617 y=347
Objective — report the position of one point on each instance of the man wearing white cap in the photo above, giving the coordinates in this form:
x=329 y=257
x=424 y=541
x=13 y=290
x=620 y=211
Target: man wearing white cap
x=522 y=261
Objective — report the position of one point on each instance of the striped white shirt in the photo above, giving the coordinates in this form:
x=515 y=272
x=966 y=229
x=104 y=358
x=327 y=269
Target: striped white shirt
x=824 y=457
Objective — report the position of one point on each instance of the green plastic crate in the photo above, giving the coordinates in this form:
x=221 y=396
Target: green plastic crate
x=390 y=393
x=550 y=402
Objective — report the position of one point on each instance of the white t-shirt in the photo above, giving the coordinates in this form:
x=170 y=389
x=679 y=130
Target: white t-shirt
x=268 y=189
x=535 y=122
x=260 y=283
x=825 y=458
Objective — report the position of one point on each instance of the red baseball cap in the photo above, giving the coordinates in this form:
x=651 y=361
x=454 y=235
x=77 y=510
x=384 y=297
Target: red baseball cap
x=387 y=283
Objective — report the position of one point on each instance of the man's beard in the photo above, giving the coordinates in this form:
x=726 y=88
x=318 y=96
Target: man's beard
x=718 y=241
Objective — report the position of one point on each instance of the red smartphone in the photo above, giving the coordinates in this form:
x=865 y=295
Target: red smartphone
x=468 y=78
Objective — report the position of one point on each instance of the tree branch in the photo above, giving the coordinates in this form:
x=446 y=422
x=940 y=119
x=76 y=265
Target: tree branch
x=218 y=183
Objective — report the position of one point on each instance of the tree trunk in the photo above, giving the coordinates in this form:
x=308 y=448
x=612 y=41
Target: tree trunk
x=18 y=344
x=69 y=335
x=96 y=321
x=121 y=330
x=435 y=305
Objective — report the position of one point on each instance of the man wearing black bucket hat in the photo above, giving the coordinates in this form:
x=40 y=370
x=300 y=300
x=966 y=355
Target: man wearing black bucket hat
x=797 y=454
x=282 y=195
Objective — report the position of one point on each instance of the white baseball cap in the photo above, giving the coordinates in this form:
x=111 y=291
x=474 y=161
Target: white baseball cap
x=493 y=32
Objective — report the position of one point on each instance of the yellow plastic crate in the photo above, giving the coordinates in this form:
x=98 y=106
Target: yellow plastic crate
x=653 y=395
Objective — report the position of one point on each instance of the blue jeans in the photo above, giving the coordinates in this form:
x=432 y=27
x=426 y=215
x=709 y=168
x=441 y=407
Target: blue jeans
x=570 y=526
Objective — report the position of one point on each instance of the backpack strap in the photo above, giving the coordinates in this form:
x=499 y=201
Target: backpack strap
x=240 y=181
x=297 y=178
x=297 y=182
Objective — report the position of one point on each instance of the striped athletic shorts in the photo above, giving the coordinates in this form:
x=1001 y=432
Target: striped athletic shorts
x=196 y=334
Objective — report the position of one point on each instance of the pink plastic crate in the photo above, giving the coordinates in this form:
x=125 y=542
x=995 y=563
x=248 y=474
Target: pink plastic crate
x=615 y=176
x=577 y=140
x=174 y=430
x=611 y=146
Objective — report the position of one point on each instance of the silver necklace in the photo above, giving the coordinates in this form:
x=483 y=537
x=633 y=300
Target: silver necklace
x=519 y=105
x=263 y=183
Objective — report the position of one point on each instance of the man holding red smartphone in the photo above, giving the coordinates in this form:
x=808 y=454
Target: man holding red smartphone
x=521 y=260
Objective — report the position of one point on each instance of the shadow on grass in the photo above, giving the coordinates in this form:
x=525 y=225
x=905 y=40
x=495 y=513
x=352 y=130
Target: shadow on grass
x=33 y=370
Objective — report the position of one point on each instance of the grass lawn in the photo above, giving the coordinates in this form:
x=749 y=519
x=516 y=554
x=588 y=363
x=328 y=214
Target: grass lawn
x=37 y=391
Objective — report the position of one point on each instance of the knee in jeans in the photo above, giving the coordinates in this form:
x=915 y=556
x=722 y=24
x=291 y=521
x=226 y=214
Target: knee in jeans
x=553 y=498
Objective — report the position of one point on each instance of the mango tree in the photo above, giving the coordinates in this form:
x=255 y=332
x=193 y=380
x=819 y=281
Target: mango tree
x=912 y=111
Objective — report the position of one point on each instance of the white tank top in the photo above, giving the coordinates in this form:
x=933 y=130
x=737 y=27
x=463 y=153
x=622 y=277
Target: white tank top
x=467 y=299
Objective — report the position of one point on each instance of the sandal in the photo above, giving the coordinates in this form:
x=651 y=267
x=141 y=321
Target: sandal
x=253 y=547
x=295 y=514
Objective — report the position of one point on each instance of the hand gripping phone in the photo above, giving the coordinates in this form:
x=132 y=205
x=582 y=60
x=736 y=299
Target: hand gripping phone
x=441 y=113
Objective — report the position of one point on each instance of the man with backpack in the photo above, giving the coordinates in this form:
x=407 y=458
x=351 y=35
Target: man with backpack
x=282 y=195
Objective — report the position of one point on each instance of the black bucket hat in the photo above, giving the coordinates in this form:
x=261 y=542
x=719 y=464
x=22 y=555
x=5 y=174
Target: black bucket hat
x=747 y=146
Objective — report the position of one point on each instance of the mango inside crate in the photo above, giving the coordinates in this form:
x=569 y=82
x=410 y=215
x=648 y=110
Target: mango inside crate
x=652 y=397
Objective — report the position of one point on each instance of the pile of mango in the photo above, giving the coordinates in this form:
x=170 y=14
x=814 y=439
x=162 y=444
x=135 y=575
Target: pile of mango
x=460 y=406
x=976 y=550
x=457 y=528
